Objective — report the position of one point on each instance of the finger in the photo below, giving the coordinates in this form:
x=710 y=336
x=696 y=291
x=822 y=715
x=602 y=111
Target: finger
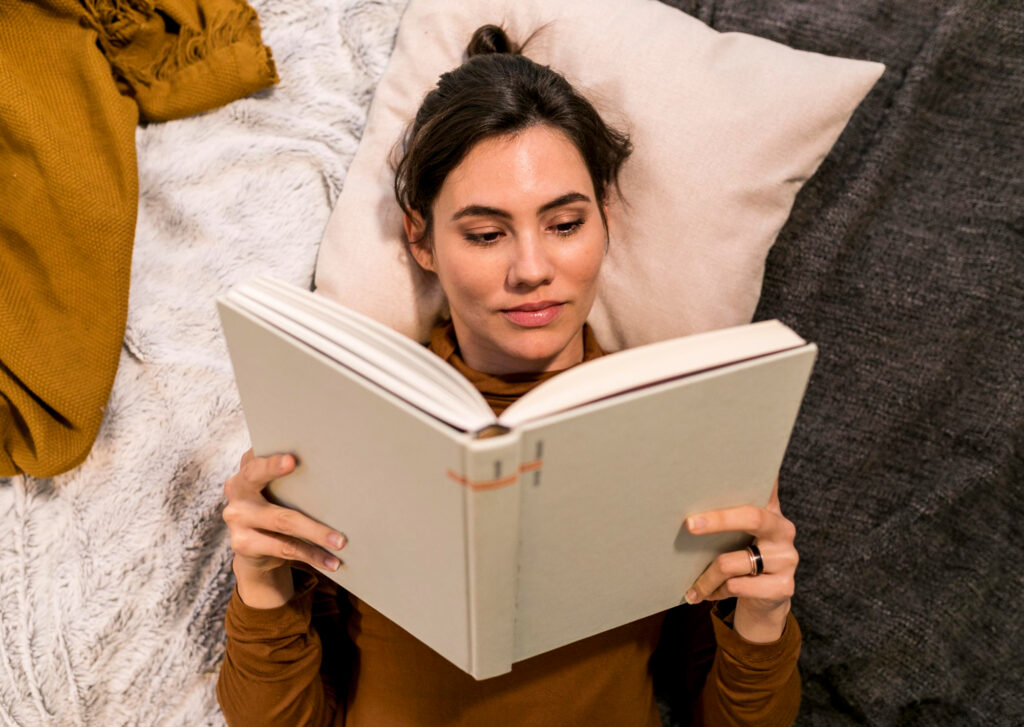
x=233 y=483
x=263 y=470
x=773 y=500
x=777 y=556
x=257 y=473
x=277 y=519
x=757 y=521
x=776 y=559
x=776 y=587
x=250 y=515
x=725 y=566
x=257 y=544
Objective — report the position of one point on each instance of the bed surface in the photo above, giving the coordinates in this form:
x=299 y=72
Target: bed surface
x=903 y=260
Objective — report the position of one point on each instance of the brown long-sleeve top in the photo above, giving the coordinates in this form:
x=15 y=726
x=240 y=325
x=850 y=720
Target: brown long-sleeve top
x=326 y=658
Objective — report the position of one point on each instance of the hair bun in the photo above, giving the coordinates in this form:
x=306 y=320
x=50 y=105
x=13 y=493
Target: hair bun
x=491 y=39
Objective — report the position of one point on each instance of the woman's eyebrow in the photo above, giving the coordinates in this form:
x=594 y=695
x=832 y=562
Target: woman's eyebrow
x=563 y=200
x=479 y=210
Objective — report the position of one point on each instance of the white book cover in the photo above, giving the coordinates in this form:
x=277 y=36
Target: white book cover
x=567 y=523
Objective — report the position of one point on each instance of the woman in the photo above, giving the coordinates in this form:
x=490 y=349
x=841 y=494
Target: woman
x=505 y=184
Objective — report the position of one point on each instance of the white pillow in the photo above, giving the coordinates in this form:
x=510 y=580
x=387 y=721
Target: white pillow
x=726 y=129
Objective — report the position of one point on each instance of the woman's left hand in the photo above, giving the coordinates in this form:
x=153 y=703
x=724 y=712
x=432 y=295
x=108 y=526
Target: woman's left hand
x=762 y=601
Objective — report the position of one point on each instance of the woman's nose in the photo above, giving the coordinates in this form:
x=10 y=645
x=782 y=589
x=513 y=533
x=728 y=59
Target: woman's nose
x=531 y=265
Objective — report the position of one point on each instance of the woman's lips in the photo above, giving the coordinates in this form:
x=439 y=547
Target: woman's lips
x=534 y=315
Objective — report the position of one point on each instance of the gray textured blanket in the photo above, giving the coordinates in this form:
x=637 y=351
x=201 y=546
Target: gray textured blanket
x=904 y=260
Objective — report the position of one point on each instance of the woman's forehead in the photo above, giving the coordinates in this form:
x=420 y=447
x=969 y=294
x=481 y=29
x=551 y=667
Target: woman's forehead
x=526 y=170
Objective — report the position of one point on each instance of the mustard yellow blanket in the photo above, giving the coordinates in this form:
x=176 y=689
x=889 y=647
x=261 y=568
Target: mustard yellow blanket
x=76 y=77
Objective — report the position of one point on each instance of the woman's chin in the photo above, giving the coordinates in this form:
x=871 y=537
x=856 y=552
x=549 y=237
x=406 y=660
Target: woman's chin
x=544 y=349
x=501 y=347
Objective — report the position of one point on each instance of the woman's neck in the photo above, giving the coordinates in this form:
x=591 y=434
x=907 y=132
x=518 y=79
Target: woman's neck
x=500 y=390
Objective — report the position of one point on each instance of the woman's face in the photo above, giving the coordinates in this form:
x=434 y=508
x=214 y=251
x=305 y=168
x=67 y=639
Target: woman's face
x=517 y=245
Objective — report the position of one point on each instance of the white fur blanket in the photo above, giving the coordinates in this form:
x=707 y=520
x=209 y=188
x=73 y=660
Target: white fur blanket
x=115 y=576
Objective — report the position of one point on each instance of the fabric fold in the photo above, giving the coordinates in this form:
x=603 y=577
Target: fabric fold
x=181 y=57
x=69 y=191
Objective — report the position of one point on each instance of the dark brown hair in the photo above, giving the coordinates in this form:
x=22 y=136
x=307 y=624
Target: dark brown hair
x=498 y=91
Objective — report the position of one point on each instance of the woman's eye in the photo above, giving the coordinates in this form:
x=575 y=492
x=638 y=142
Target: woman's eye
x=483 y=238
x=565 y=229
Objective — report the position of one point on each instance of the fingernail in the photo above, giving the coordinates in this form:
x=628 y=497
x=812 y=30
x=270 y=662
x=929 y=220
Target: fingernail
x=284 y=463
x=337 y=540
x=691 y=596
x=696 y=523
x=332 y=563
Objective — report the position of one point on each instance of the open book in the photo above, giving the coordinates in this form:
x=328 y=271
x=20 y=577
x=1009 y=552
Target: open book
x=493 y=539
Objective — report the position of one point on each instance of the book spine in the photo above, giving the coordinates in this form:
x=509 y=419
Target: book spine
x=491 y=481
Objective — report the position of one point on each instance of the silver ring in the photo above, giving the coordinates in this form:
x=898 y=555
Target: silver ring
x=756 y=562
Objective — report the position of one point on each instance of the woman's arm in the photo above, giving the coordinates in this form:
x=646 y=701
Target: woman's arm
x=749 y=683
x=754 y=678
x=277 y=670
x=272 y=672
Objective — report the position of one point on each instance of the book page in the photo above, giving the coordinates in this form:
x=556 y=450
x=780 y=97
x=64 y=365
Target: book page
x=445 y=402
x=400 y=348
x=637 y=367
x=413 y=373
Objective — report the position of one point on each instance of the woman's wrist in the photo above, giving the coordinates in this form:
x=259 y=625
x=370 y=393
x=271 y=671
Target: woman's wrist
x=263 y=588
x=760 y=626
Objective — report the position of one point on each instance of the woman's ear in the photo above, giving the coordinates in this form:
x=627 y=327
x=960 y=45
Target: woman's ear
x=419 y=245
x=607 y=225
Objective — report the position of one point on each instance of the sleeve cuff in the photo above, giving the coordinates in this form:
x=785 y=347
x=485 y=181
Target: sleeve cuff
x=245 y=623
x=760 y=656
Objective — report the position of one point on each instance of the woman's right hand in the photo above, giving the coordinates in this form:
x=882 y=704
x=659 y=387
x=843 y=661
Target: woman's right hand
x=266 y=537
